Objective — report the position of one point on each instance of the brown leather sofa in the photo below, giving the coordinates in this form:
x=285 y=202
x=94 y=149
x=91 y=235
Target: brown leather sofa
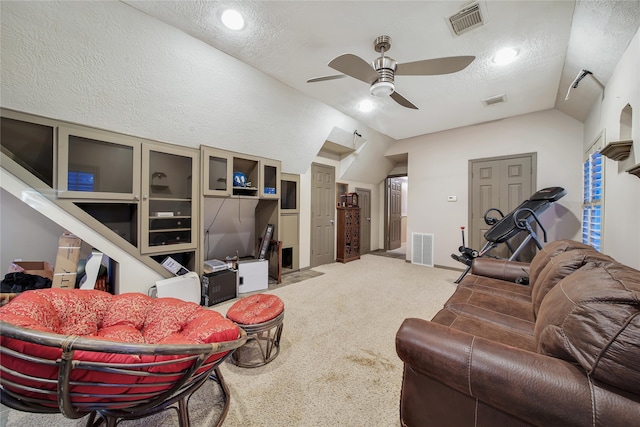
x=562 y=351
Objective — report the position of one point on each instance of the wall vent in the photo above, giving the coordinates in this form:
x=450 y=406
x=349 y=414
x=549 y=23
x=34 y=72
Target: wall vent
x=495 y=99
x=422 y=249
x=466 y=19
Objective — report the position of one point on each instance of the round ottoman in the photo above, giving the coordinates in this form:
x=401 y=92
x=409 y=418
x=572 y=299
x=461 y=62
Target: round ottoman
x=261 y=317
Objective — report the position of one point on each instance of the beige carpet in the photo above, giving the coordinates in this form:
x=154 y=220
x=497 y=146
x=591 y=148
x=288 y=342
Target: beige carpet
x=337 y=365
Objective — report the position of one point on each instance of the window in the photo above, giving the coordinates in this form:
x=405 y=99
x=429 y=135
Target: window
x=80 y=181
x=592 y=200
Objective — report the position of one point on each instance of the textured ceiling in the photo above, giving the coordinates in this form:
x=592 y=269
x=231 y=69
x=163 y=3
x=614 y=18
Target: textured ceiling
x=293 y=41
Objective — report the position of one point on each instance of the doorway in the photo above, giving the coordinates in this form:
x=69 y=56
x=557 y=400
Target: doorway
x=499 y=183
x=364 y=200
x=395 y=215
x=323 y=199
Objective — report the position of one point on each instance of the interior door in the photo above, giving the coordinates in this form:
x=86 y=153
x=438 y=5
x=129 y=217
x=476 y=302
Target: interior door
x=323 y=210
x=364 y=200
x=394 y=214
x=501 y=183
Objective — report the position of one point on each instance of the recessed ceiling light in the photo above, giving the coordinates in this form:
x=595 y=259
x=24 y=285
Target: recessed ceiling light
x=366 y=105
x=505 y=56
x=232 y=19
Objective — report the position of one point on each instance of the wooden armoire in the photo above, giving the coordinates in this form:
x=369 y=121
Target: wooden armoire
x=348 y=248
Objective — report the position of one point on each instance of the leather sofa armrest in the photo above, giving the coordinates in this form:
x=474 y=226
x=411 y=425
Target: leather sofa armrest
x=539 y=389
x=500 y=268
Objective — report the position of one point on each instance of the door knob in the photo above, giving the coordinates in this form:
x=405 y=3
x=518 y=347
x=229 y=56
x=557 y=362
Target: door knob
x=332 y=221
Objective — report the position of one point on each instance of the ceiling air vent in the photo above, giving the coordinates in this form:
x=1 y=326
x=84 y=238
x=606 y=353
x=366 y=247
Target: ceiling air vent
x=466 y=19
x=495 y=99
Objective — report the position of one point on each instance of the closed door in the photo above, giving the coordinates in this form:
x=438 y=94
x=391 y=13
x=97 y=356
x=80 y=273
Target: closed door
x=364 y=200
x=323 y=198
x=500 y=183
x=394 y=213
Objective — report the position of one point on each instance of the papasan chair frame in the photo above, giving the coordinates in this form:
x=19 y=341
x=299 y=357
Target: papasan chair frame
x=44 y=372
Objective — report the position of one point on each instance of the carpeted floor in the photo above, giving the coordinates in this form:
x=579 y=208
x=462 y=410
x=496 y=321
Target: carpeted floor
x=337 y=365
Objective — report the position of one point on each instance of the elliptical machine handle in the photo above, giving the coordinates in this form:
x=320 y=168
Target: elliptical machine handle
x=523 y=224
x=491 y=220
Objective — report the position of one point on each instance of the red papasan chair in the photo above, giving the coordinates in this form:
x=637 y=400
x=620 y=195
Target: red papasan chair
x=87 y=352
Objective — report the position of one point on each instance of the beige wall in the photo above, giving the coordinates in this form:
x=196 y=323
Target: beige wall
x=438 y=167
x=305 y=207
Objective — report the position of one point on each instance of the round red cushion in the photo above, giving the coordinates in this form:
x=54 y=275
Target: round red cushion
x=255 y=309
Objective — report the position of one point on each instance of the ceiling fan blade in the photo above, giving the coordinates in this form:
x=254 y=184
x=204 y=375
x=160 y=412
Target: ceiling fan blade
x=403 y=101
x=431 y=67
x=325 y=78
x=355 y=67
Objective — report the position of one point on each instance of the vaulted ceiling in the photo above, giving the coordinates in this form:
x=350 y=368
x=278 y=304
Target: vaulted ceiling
x=293 y=41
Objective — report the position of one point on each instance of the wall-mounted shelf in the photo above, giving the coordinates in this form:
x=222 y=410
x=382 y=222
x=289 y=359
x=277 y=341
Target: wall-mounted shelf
x=618 y=150
x=635 y=170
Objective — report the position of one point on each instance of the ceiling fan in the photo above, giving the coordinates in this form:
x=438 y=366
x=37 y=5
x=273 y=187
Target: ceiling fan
x=381 y=73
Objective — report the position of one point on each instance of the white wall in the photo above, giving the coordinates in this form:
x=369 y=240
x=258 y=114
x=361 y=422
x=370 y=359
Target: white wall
x=107 y=65
x=229 y=225
x=37 y=242
x=438 y=167
x=622 y=190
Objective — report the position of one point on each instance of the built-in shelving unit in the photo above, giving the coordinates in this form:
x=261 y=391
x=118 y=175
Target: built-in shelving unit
x=143 y=195
x=167 y=203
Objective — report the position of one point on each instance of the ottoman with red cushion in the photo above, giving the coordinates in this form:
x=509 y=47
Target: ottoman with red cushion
x=261 y=317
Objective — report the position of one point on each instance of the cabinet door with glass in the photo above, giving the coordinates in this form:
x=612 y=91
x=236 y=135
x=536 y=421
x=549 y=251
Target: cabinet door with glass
x=169 y=208
x=97 y=165
x=217 y=171
x=269 y=179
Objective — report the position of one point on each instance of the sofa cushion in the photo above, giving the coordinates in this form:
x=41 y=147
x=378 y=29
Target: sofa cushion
x=541 y=259
x=79 y=313
x=592 y=318
x=128 y=309
x=497 y=287
x=559 y=267
x=488 y=324
x=167 y=316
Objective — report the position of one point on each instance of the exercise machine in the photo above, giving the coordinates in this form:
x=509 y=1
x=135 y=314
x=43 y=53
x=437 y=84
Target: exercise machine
x=508 y=226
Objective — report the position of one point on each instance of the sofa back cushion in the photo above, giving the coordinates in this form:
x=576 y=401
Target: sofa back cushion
x=592 y=318
x=559 y=267
x=541 y=259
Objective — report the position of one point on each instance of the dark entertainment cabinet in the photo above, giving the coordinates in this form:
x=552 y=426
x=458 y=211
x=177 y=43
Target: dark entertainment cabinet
x=348 y=234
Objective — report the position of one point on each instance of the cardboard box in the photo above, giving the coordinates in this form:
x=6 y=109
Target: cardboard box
x=66 y=268
x=39 y=268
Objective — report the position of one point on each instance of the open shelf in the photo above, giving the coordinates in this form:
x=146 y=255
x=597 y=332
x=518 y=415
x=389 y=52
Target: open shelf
x=617 y=150
x=635 y=170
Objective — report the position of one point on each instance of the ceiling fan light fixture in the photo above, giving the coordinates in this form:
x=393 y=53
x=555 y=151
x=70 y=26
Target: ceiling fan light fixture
x=505 y=56
x=366 y=105
x=232 y=19
x=381 y=89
